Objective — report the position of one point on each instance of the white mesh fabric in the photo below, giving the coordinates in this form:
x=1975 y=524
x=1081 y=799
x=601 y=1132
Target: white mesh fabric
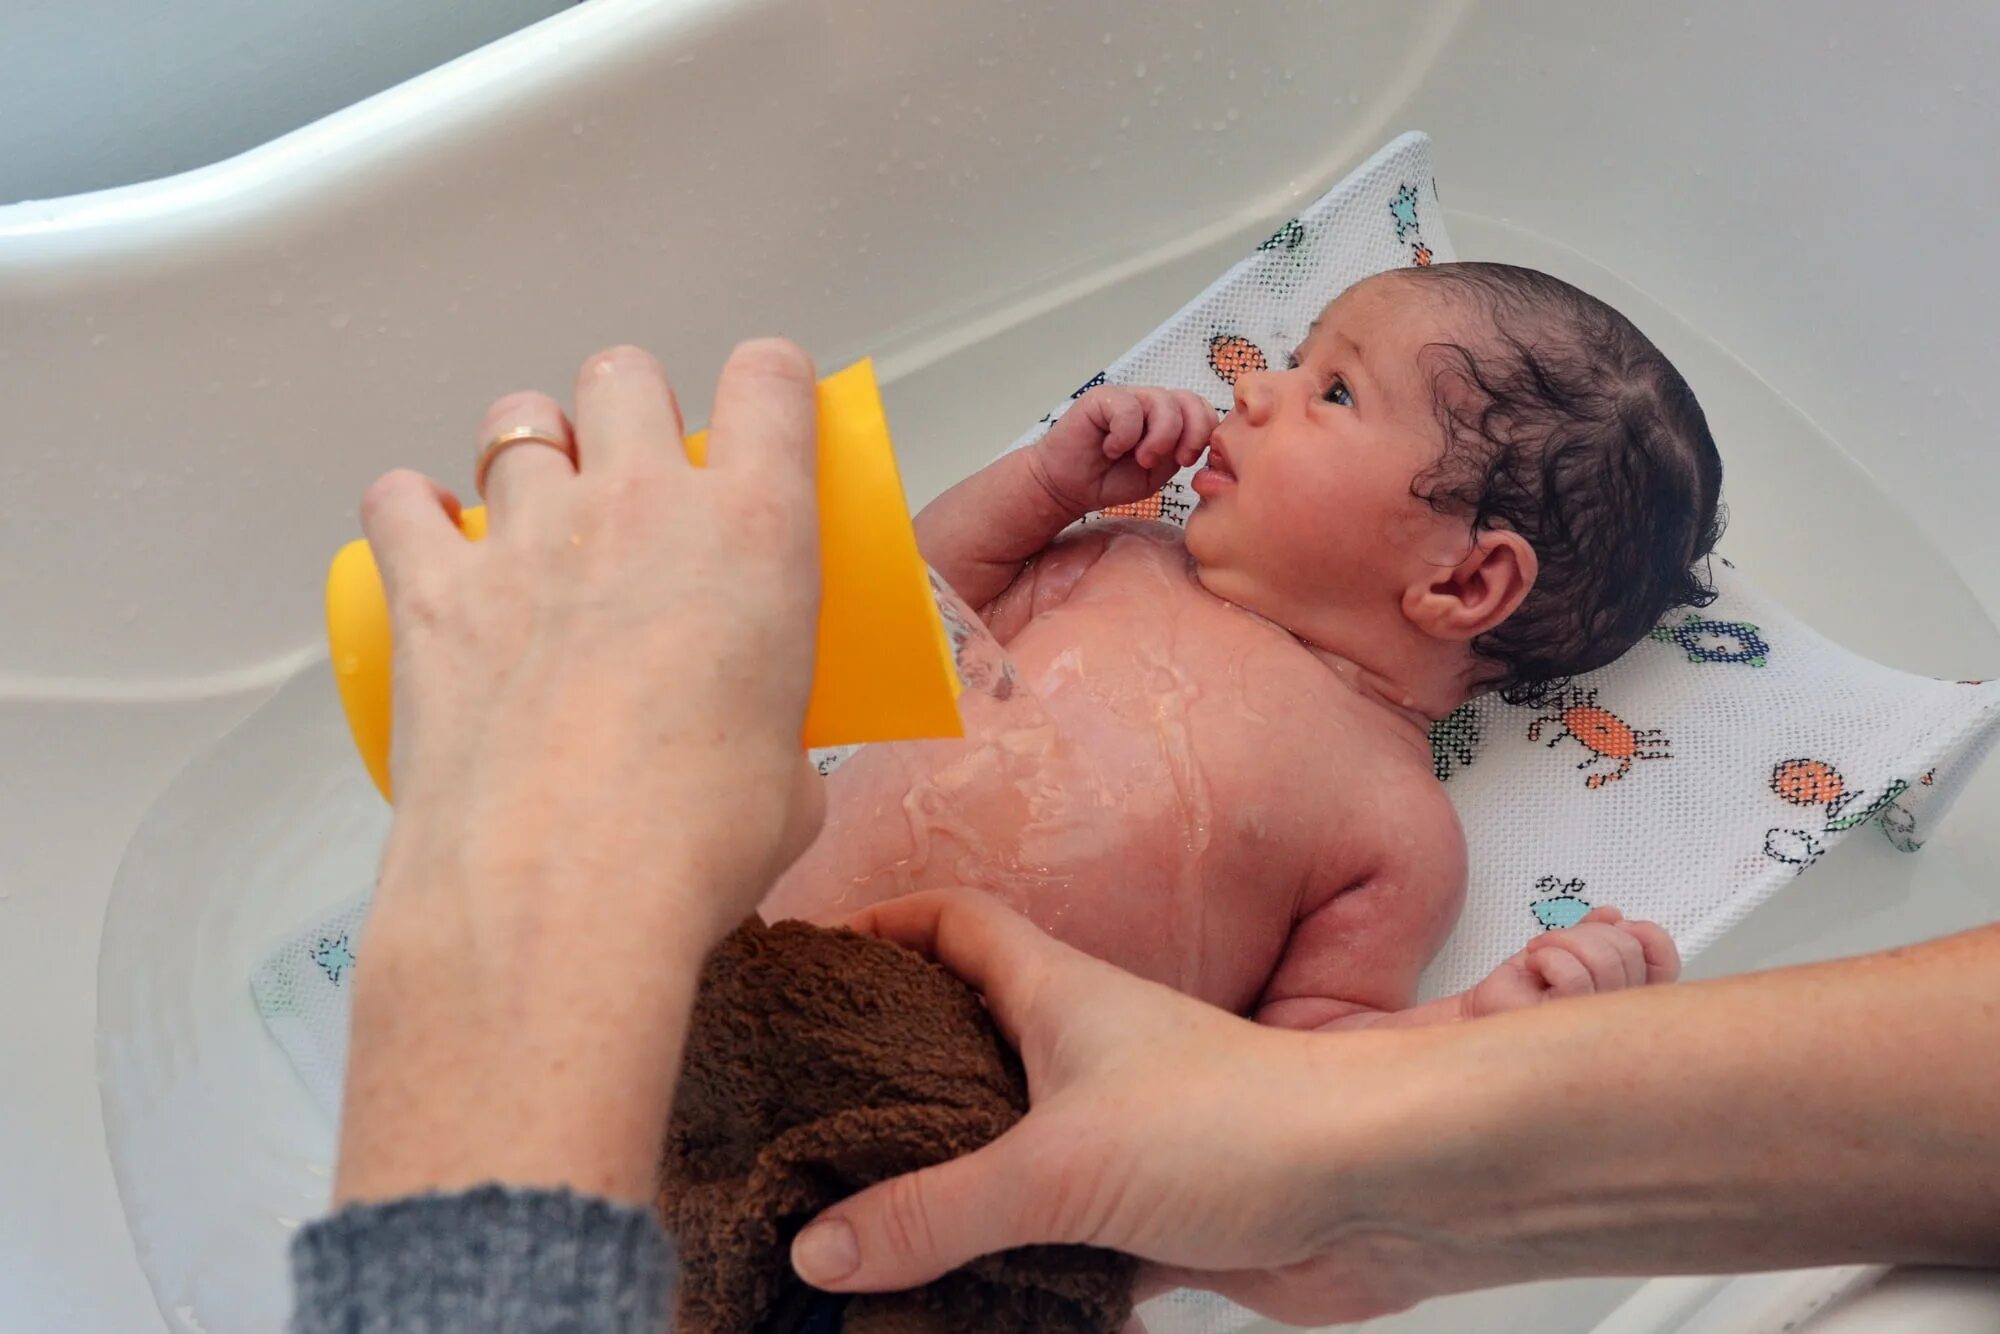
x=301 y=991
x=1685 y=783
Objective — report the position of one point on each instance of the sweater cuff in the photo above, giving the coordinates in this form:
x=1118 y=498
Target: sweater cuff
x=491 y=1258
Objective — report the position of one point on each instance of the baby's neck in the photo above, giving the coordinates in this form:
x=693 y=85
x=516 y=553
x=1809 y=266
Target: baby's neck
x=1401 y=702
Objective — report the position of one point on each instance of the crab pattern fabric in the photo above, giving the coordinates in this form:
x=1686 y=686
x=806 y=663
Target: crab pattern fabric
x=1652 y=780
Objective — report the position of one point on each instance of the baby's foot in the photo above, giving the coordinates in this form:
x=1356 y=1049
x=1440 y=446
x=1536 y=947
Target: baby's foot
x=1602 y=953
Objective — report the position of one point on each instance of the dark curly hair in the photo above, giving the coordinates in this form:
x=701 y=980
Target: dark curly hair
x=1565 y=424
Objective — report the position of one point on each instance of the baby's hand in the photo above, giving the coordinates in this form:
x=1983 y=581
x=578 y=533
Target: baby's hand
x=1121 y=443
x=1602 y=953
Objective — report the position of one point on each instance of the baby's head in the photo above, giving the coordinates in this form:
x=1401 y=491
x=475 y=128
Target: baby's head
x=1472 y=476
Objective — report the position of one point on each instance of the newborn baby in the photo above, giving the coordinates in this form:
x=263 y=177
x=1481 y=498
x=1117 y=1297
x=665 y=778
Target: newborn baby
x=1213 y=766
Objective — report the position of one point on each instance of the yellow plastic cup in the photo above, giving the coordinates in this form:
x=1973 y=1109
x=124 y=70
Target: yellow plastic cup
x=884 y=667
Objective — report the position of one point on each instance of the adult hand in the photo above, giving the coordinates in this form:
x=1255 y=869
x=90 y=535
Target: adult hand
x=597 y=770
x=1338 y=1176
x=1158 y=1126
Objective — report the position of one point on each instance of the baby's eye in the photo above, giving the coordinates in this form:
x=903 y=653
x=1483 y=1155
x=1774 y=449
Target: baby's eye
x=1291 y=361
x=1337 y=393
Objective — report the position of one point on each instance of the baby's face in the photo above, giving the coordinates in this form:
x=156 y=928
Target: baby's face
x=1306 y=507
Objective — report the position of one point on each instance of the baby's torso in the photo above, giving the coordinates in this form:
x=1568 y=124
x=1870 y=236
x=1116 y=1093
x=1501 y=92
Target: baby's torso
x=1171 y=783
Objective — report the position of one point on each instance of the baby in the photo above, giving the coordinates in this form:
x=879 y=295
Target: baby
x=1213 y=768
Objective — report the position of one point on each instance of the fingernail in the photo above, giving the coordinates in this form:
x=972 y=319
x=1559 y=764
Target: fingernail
x=826 y=1253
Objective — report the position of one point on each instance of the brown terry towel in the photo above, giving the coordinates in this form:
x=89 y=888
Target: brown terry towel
x=820 y=1062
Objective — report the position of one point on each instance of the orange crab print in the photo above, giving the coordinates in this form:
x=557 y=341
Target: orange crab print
x=1808 y=782
x=1232 y=355
x=1152 y=507
x=1420 y=255
x=1601 y=732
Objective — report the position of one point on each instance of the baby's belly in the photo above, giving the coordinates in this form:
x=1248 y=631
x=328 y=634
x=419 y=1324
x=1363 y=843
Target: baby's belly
x=1121 y=798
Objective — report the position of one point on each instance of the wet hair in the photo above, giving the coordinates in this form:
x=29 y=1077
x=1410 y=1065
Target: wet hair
x=1565 y=424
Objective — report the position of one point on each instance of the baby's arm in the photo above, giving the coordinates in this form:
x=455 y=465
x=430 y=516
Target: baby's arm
x=1115 y=445
x=1602 y=953
x=1354 y=961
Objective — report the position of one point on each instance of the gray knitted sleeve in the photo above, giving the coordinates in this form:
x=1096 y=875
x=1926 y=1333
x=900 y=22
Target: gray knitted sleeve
x=493 y=1258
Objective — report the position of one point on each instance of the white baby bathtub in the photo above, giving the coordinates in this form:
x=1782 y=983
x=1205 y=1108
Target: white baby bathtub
x=203 y=371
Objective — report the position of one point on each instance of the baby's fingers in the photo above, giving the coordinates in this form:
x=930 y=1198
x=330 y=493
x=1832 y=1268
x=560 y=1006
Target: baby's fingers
x=1661 y=955
x=1197 y=425
x=1562 y=971
x=1163 y=428
x=1122 y=417
x=1612 y=956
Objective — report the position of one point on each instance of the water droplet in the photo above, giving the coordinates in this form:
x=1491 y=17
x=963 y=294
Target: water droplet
x=1139 y=70
x=1096 y=163
x=1198 y=54
x=1234 y=113
x=443 y=377
x=99 y=340
x=936 y=119
x=905 y=101
x=277 y=297
x=338 y=320
x=1107 y=39
x=1124 y=122
x=576 y=127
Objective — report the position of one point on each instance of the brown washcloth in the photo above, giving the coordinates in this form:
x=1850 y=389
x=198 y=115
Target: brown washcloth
x=820 y=1062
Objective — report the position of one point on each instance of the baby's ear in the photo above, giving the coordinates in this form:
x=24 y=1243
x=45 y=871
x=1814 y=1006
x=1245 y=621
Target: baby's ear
x=1482 y=590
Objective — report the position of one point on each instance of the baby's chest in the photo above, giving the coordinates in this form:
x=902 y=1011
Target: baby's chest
x=1160 y=680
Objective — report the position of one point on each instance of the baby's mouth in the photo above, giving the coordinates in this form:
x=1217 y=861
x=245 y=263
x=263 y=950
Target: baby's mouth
x=1218 y=460
x=1218 y=477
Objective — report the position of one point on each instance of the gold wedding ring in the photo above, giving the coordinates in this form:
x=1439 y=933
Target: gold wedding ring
x=499 y=444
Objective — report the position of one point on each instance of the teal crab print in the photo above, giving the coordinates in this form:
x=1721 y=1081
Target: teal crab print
x=1288 y=237
x=1562 y=903
x=334 y=956
x=1403 y=208
x=1716 y=641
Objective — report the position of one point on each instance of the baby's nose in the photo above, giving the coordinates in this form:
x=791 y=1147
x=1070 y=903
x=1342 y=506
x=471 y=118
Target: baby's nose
x=1253 y=396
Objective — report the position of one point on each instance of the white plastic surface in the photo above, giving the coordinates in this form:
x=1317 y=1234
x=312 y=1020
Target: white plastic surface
x=202 y=373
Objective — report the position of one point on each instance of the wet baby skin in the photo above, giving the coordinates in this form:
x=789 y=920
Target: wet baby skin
x=1210 y=764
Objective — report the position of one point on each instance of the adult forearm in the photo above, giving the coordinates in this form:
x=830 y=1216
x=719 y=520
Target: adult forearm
x=538 y=1068
x=1841 y=1112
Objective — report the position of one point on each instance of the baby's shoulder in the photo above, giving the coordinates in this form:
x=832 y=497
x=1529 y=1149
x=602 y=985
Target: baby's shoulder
x=1420 y=835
